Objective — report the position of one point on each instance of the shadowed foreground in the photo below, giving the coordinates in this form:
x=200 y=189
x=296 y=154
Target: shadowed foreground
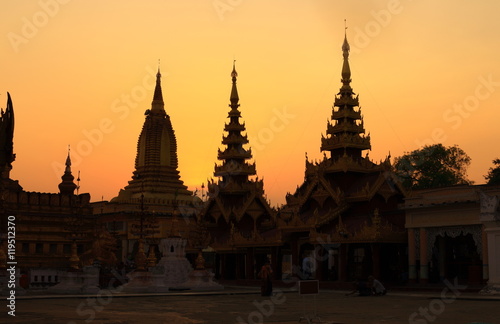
x=246 y=306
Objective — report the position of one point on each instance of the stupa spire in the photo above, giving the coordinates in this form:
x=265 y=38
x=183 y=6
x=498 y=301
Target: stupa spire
x=67 y=186
x=156 y=162
x=158 y=106
x=158 y=96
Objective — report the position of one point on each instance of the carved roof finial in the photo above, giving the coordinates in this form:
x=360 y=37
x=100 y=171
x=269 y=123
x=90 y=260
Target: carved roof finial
x=158 y=96
x=234 y=90
x=346 y=70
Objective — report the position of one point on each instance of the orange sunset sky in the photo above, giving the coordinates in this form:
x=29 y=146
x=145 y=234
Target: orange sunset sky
x=81 y=73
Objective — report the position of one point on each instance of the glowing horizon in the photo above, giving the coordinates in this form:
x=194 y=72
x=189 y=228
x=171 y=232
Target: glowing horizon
x=83 y=72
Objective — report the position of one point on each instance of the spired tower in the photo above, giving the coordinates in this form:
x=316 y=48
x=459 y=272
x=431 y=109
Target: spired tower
x=146 y=210
x=67 y=186
x=7 y=155
x=234 y=170
x=156 y=174
x=347 y=199
x=237 y=213
x=344 y=138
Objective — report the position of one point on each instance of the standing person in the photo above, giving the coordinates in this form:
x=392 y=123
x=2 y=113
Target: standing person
x=308 y=267
x=265 y=274
x=377 y=287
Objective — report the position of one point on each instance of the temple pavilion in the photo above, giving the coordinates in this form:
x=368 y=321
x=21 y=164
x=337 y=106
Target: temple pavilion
x=237 y=214
x=344 y=218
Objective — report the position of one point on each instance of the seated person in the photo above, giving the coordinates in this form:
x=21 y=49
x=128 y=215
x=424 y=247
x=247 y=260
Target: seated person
x=361 y=288
x=377 y=288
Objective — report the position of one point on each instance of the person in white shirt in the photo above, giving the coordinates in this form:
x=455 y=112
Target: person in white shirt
x=377 y=287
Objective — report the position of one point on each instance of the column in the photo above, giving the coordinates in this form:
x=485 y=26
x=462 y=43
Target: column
x=343 y=262
x=240 y=270
x=442 y=257
x=222 y=265
x=278 y=266
x=424 y=264
x=319 y=257
x=250 y=271
x=376 y=260
x=484 y=257
x=274 y=261
x=493 y=259
x=412 y=258
x=295 y=255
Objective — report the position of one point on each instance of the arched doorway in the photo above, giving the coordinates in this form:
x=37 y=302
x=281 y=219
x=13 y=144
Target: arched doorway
x=455 y=256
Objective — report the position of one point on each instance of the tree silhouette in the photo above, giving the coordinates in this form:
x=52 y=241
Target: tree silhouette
x=433 y=166
x=493 y=176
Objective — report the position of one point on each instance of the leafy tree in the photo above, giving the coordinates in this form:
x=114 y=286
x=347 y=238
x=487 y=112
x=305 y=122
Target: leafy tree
x=493 y=176
x=433 y=166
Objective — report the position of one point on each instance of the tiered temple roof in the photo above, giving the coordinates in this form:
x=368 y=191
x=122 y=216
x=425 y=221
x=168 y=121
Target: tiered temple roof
x=346 y=185
x=234 y=168
x=345 y=137
x=156 y=175
x=236 y=210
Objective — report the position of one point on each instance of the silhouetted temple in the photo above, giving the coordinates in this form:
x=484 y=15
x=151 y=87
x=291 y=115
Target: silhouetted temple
x=346 y=210
x=50 y=227
x=147 y=205
x=156 y=174
x=350 y=218
x=237 y=214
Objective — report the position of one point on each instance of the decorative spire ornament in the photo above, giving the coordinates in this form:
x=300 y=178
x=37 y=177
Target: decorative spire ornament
x=345 y=136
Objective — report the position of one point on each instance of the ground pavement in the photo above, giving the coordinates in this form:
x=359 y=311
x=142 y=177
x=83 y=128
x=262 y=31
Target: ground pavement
x=245 y=305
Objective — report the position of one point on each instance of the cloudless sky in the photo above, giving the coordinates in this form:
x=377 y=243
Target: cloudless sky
x=81 y=73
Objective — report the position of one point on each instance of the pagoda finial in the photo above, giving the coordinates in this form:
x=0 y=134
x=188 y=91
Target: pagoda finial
x=68 y=160
x=158 y=96
x=346 y=70
x=234 y=74
x=234 y=91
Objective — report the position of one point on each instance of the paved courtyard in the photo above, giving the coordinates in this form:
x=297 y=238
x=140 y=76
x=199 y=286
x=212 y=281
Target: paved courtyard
x=245 y=305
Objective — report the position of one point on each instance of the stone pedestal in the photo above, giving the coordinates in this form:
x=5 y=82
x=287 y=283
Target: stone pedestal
x=173 y=271
x=203 y=280
x=144 y=282
x=85 y=281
